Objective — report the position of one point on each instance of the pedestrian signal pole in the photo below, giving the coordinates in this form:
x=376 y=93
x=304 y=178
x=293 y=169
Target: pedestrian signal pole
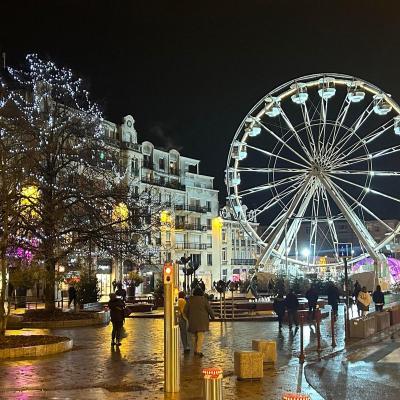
x=171 y=329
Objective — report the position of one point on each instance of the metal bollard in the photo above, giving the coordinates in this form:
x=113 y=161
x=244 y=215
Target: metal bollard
x=213 y=384
x=333 y=328
x=318 y=323
x=301 y=356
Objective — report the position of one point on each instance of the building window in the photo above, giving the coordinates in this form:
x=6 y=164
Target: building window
x=208 y=205
x=208 y=223
x=168 y=256
x=223 y=254
x=161 y=164
x=223 y=235
x=224 y=274
x=196 y=259
x=209 y=259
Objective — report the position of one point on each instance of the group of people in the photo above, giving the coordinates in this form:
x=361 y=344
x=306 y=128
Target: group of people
x=290 y=303
x=194 y=317
x=363 y=299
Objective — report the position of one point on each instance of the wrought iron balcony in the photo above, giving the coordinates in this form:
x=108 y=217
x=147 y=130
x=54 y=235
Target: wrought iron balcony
x=243 y=261
x=191 y=246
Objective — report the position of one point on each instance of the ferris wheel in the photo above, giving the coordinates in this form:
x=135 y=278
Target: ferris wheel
x=315 y=154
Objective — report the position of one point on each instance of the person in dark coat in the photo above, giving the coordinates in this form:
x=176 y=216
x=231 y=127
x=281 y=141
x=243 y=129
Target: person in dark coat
x=333 y=299
x=378 y=298
x=356 y=291
x=280 y=308
x=71 y=296
x=312 y=297
x=121 y=292
x=198 y=312
x=117 y=314
x=292 y=305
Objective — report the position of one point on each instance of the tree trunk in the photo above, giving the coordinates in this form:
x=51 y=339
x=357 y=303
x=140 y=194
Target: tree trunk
x=50 y=304
x=4 y=313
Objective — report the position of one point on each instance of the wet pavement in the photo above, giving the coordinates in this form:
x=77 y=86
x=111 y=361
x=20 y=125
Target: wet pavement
x=93 y=370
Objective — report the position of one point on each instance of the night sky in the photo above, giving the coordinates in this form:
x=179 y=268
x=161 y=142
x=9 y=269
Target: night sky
x=189 y=71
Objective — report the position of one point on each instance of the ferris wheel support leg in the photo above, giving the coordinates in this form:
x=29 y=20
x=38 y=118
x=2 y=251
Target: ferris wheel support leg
x=355 y=223
x=274 y=238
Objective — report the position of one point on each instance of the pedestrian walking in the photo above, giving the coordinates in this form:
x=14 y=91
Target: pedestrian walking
x=312 y=297
x=378 y=298
x=333 y=298
x=363 y=301
x=183 y=322
x=121 y=292
x=71 y=295
x=198 y=312
x=279 y=306
x=292 y=305
x=117 y=314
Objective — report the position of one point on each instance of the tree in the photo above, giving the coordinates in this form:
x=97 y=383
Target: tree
x=13 y=179
x=70 y=165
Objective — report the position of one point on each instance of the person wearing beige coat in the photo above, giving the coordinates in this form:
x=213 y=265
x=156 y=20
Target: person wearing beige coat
x=363 y=301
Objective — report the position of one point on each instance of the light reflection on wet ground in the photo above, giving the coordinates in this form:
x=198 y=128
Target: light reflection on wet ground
x=93 y=370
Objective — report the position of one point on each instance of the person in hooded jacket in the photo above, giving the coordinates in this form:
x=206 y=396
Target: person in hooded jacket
x=312 y=297
x=117 y=314
x=292 y=305
x=378 y=298
x=333 y=299
x=280 y=308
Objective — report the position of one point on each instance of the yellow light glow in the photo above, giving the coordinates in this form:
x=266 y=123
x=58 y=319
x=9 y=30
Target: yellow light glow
x=120 y=214
x=217 y=223
x=165 y=217
x=30 y=198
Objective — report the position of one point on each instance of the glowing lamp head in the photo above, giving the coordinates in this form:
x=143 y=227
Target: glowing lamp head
x=168 y=270
x=306 y=252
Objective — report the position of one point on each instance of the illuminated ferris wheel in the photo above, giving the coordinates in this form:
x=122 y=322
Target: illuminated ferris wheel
x=315 y=153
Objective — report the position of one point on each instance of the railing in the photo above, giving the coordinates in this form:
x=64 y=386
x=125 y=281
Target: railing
x=190 y=207
x=191 y=227
x=160 y=182
x=130 y=146
x=174 y=171
x=243 y=261
x=192 y=246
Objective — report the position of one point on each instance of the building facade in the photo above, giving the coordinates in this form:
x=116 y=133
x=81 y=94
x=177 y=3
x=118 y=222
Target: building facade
x=189 y=201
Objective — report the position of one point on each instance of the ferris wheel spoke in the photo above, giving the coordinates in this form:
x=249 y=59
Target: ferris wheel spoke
x=271 y=170
x=371 y=213
x=279 y=139
x=269 y=154
x=307 y=124
x=330 y=222
x=322 y=126
x=370 y=156
x=360 y=172
x=369 y=190
x=277 y=199
x=272 y=185
x=338 y=124
x=353 y=129
x=295 y=134
x=367 y=139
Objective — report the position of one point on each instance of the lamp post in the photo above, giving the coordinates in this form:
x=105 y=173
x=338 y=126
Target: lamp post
x=217 y=224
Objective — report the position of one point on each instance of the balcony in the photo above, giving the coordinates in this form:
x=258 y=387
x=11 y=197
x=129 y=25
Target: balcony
x=243 y=261
x=191 y=227
x=148 y=165
x=174 y=171
x=130 y=146
x=161 y=182
x=191 y=208
x=191 y=246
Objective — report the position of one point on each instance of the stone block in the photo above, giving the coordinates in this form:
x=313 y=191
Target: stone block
x=267 y=348
x=382 y=320
x=248 y=364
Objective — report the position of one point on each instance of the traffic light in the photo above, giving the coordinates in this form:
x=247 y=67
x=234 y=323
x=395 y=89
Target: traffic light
x=168 y=272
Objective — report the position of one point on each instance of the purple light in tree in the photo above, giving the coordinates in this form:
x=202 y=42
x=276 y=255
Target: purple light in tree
x=393 y=264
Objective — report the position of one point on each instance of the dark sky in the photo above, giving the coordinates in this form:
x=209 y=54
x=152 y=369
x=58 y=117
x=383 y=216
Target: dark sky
x=191 y=70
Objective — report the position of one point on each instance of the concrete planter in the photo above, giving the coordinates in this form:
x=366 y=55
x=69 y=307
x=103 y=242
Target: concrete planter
x=36 y=351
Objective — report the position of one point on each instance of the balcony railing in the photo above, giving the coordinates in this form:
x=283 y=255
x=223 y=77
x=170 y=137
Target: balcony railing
x=191 y=227
x=130 y=146
x=190 y=207
x=159 y=182
x=243 y=261
x=191 y=246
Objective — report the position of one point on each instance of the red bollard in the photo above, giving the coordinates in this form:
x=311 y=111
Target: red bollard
x=318 y=323
x=333 y=328
x=301 y=356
